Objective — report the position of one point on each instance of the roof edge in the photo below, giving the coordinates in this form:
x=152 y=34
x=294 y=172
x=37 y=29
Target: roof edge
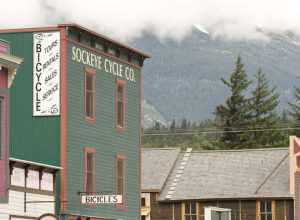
x=105 y=38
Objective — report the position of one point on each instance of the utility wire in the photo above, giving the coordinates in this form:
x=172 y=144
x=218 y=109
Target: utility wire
x=217 y=131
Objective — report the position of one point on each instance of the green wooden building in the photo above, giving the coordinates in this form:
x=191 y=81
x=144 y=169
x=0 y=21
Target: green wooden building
x=75 y=111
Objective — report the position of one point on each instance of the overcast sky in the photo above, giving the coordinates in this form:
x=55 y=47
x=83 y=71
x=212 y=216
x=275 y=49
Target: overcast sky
x=128 y=19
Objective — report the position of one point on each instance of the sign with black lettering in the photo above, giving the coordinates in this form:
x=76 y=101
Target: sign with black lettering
x=92 y=199
x=46 y=74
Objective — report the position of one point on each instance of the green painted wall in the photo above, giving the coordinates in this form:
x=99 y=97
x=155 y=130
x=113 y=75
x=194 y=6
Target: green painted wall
x=31 y=138
x=103 y=136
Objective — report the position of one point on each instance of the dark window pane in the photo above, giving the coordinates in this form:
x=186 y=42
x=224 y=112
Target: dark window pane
x=187 y=208
x=120 y=105
x=143 y=217
x=143 y=201
x=89 y=95
x=120 y=114
x=269 y=206
x=120 y=177
x=89 y=82
x=193 y=208
x=262 y=206
x=269 y=217
x=90 y=162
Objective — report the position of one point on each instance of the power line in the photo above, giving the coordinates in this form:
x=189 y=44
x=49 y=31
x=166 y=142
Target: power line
x=217 y=131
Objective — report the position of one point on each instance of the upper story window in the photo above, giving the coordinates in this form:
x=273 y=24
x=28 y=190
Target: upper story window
x=190 y=211
x=90 y=94
x=120 y=175
x=120 y=104
x=89 y=169
x=266 y=210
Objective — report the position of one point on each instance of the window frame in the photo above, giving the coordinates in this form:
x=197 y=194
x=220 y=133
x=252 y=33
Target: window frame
x=190 y=214
x=89 y=150
x=122 y=83
x=121 y=157
x=90 y=72
x=265 y=212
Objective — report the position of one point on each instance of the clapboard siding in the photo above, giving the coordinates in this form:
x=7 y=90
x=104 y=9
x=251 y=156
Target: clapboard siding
x=103 y=136
x=30 y=138
x=16 y=205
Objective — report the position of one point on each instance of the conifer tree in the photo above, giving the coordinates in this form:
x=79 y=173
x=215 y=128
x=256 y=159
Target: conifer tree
x=295 y=112
x=173 y=126
x=235 y=113
x=263 y=105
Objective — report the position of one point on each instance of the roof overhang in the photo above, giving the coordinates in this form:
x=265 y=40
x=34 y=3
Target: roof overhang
x=11 y=63
x=34 y=165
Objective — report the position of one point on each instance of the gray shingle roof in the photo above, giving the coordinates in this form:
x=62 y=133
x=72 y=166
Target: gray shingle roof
x=156 y=166
x=253 y=173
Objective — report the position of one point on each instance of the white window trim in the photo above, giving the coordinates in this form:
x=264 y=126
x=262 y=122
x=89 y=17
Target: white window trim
x=208 y=210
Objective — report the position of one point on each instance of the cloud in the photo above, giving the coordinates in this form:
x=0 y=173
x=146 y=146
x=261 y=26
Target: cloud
x=125 y=20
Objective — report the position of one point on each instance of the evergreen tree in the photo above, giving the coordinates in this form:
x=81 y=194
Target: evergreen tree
x=156 y=126
x=295 y=112
x=235 y=113
x=263 y=104
x=184 y=124
x=173 y=126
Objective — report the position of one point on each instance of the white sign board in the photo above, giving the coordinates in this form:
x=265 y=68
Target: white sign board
x=46 y=74
x=91 y=199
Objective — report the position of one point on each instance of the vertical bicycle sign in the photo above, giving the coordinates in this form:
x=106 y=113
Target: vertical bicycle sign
x=46 y=74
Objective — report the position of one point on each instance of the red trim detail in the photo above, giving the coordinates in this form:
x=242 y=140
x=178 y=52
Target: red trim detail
x=63 y=119
x=103 y=53
x=122 y=158
x=4 y=148
x=4 y=47
x=37 y=29
x=121 y=83
x=90 y=71
x=3 y=77
x=87 y=150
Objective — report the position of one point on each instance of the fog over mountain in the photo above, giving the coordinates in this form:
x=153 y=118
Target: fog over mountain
x=182 y=79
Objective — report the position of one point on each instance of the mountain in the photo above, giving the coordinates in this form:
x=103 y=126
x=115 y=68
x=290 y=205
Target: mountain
x=183 y=79
x=151 y=115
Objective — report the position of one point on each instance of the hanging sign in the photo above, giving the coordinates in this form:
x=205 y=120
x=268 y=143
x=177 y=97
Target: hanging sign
x=92 y=199
x=46 y=74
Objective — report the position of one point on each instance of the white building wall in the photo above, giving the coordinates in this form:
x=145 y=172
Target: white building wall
x=16 y=198
x=16 y=205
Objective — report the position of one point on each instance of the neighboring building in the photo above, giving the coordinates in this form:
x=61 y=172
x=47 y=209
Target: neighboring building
x=74 y=125
x=254 y=184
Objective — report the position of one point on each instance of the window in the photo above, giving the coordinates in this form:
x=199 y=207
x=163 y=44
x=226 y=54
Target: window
x=143 y=201
x=120 y=176
x=143 y=217
x=90 y=94
x=266 y=210
x=89 y=169
x=190 y=211
x=217 y=213
x=120 y=104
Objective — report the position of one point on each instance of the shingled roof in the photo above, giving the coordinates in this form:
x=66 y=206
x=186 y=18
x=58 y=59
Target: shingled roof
x=157 y=164
x=255 y=173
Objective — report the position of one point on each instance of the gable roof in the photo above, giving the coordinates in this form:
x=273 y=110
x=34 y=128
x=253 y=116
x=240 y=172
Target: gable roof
x=157 y=164
x=254 y=173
